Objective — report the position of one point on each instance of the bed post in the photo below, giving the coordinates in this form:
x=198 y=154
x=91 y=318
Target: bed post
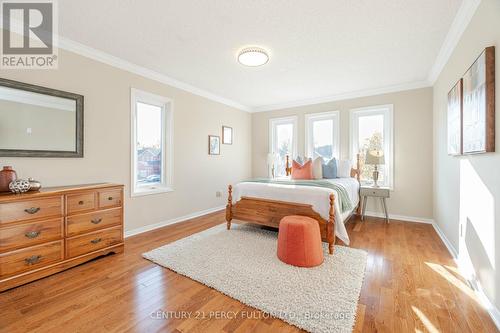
x=229 y=212
x=358 y=167
x=288 y=170
x=330 y=226
x=358 y=178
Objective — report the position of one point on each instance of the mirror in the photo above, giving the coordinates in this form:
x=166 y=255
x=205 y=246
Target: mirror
x=39 y=122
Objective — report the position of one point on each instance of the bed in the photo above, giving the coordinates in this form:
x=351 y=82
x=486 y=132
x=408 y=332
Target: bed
x=266 y=202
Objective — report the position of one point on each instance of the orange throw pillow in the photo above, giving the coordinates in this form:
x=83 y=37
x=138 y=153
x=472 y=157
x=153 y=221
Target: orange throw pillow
x=304 y=171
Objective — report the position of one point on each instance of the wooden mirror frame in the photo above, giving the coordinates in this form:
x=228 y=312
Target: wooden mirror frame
x=78 y=152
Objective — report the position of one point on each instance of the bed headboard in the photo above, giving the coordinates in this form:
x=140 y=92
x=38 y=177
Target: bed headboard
x=355 y=172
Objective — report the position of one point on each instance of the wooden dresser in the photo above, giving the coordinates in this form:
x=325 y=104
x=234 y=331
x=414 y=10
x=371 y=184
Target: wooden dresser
x=42 y=233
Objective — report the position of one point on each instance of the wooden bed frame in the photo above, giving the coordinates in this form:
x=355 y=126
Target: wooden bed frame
x=270 y=212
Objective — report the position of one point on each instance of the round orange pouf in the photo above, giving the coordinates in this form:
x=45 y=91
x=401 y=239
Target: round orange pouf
x=299 y=241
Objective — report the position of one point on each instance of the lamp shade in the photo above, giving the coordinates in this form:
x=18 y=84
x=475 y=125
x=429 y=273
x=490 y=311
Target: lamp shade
x=375 y=157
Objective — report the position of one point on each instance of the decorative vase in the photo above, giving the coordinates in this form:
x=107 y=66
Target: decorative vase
x=7 y=175
x=35 y=185
x=19 y=186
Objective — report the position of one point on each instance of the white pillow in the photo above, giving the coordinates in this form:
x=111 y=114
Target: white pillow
x=344 y=169
x=317 y=168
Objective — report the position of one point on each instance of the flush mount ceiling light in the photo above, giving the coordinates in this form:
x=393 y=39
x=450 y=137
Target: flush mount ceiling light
x=253 y=57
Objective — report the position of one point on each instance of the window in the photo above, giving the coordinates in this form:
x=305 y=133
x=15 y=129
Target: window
x=371 y=129
x=283 y=141
x=152 y=146
x=322 y=135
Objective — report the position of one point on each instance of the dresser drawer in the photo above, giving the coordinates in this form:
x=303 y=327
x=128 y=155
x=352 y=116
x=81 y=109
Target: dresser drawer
x=93 y=241
x=30 y=234
x=31 y=209
x=80 y=202
x=30 y=258
x=82 y=223
x=110 y=198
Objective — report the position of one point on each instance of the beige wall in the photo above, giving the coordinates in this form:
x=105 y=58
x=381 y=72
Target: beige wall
x=412 y=195
x=197 y=176
x=467 y=189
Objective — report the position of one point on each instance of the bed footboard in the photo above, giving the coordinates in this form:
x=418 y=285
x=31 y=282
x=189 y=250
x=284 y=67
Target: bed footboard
x=270 y=212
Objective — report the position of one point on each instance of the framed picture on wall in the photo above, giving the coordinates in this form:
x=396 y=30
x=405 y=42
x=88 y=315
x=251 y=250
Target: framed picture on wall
x=213 y=145
x=455 y=120
x=479 y=105
x=227 y=135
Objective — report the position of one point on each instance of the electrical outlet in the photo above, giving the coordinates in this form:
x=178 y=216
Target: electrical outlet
x=218 y=194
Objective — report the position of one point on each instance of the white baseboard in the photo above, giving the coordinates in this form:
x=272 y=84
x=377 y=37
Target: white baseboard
x=161 y=224
x=446 y=242
x=401 y=217
x=476 y=285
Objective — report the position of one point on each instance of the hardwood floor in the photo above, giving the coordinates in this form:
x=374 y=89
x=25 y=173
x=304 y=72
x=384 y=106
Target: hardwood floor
x=411 y=285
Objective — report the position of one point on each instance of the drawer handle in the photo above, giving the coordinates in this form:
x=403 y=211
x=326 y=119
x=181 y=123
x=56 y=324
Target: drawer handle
x=33 y=260
x=95 y=241
x=32 y=234
x=96 y=221
x=80 y=202
x=110 y=198
x=32 y=210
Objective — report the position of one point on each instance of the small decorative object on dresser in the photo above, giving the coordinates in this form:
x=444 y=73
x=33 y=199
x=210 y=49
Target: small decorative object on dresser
x=19 y=186
x=35 y=185
x=377 y=192
x=375 y=157
x=45 y=232
x=227 y=135
x=7 y=175
x=213 y=145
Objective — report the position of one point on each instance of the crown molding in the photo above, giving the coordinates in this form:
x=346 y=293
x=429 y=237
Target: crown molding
x=344 y=96
x=459 y=24
x=106 y=58
x=457 y=28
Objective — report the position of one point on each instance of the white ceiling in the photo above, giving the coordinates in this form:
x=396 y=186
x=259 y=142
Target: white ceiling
x=317 y=48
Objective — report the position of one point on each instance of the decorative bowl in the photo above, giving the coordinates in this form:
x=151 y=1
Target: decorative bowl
x=19 y=186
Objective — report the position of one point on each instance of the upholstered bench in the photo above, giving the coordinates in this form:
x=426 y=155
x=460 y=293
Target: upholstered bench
x=299 y=241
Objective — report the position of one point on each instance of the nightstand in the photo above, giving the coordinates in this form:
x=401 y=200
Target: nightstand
x=376 y=192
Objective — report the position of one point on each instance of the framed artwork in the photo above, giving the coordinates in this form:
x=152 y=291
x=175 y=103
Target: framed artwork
x=479 y=105
x=227 y=135
x=455 y=119
x=213 y=145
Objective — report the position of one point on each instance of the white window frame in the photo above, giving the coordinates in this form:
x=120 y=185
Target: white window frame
x=273 y=122
x=387 y=112
x=310 y=119
x=167 y=162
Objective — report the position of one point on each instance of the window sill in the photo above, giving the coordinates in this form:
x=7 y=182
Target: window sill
x=142 y=191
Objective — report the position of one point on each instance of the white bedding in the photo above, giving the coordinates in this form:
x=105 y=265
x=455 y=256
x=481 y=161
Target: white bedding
x=318 y=197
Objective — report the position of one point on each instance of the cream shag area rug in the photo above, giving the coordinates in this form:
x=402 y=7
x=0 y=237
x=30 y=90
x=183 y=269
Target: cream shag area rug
x=242 y=264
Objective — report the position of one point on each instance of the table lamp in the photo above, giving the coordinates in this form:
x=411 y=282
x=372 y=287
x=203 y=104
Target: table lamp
x=375 y=157
x=271 y=159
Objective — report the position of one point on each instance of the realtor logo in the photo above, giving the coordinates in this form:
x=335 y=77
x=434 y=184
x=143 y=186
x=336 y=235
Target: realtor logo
x=29 y=32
